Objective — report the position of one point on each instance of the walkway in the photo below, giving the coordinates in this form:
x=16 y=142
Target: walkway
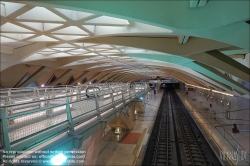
x=131 y=149
x=234 y=146
x=45 y=113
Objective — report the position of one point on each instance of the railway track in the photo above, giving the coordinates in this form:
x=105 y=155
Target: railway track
x=175 y=139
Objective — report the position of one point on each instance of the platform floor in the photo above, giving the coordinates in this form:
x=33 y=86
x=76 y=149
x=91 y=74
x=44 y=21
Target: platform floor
x=129 y=151
x=232 y=149
x=235 y=146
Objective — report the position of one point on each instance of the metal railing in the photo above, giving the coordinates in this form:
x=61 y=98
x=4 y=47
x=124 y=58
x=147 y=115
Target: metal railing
x=39 y=113
x=13 y=95
x=221 y=128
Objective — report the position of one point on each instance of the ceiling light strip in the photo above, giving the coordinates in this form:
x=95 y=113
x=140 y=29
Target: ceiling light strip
x=227 y=94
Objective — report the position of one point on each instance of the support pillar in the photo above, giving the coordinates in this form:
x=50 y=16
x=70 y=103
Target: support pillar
x=94 y=148
x=139 y=107
x=132 y=116
x=33 y=77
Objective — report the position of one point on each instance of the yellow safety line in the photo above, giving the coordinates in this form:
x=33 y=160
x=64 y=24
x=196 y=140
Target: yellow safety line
x=138 y=144
x=136 y=160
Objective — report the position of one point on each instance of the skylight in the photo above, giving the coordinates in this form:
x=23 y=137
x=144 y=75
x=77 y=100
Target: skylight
x=9 y=7
x=74 y=15
x=9 y=27
x=108 y=21
x=71 y=30
x=35 y=14
x=41 y=26
x=43 y=38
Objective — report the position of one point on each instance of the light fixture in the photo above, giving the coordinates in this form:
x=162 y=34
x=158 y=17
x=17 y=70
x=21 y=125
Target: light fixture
x=118 y=130
x=221 y=101
x=58 y=159
x=42 y=85
x=227 y=103
x=227 y=94
x=136 y=112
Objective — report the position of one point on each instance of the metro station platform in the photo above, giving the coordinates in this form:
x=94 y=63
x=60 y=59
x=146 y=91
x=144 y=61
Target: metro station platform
x=76 y=75
x=31 y=116
x=224 y=143
x=131 y=149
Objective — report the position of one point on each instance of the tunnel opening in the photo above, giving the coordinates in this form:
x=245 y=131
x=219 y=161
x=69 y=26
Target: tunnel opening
x=170 y=86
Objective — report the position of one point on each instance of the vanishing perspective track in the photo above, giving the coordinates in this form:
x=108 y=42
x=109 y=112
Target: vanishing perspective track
x=175 y=138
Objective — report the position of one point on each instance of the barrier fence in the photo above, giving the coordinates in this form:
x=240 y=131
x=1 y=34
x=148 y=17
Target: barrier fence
x=36 y=114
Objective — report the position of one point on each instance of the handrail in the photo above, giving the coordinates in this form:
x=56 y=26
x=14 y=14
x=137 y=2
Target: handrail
x=228 y=125
x=52 y=98
x=104 y=106
x=59 y=86
x=33 y=111
x=232 y=138
x=224 y=131
x=233 y=111
x=52 y=87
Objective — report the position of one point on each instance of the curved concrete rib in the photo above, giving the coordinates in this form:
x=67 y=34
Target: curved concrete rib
x=222 y=24
x=195 y=49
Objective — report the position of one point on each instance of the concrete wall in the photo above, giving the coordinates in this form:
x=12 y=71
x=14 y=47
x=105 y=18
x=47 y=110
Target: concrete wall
x=242 y=103
x=220 y=104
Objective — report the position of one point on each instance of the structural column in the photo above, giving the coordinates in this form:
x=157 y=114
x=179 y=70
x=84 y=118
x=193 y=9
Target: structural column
x=132 y=113
x=105 y=77
x=94 y=148
x=62 y=77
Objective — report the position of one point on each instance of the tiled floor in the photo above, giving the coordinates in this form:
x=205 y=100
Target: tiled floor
x=116 y=154
x=122 y=153
x=131 y=138
x=236 y=146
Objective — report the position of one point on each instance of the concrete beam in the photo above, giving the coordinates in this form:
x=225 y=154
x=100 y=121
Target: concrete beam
x=139 y=107
x=193 y=50
x=124 y=78
x=105 y=77
x=7 y=50
x=79 y=78
x=224 y=79
x=122 y=120
x=116 y=78
x=93 y=77
x=121 y=77
x=40 y=72
x=111 y=77
x=21 y=53
x=221 y=61
x=62 y=77
x=94 y=147
x=131 y=78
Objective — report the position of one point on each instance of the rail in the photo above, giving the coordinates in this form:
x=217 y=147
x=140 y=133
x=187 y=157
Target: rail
x=175 y=139
x=224 y=132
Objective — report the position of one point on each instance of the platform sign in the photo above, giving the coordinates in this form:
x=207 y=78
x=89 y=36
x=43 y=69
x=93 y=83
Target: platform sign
x=190 y=89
